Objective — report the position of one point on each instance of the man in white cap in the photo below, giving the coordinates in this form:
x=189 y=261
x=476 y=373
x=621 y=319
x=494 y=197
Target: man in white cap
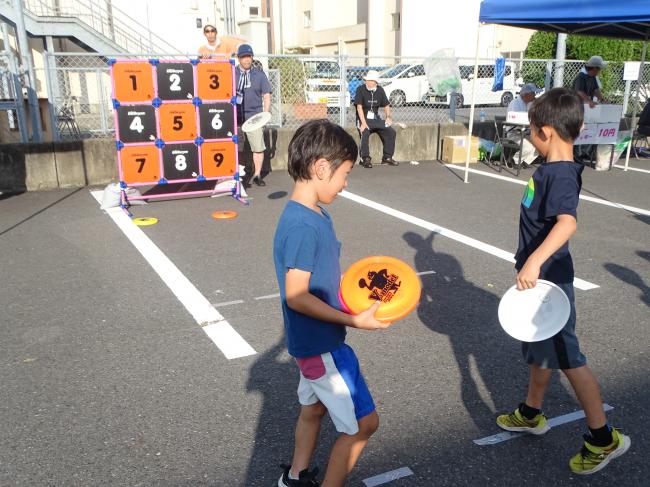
x=587 y=83
x=521 y=104
x=368 y=99
x=588 y=87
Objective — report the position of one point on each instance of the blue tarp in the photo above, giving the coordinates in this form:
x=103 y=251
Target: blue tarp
x=628 y=19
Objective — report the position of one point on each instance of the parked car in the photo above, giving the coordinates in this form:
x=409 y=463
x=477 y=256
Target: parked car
x=484 y=94
x=404 y=83
x=355 y=76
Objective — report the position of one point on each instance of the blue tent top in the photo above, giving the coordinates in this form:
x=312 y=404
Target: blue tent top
x=628 y=19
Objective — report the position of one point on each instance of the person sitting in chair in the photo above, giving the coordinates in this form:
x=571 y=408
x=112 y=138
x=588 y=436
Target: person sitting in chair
x=522 y=104
x=368 y=99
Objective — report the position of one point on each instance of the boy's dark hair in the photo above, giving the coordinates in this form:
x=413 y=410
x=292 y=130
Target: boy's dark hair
x=561 y=109
x=319 y=139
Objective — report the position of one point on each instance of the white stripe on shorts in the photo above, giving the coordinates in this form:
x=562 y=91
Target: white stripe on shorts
x=333 y=392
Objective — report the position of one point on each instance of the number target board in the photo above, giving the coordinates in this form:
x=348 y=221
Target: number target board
x=175 y=121
x=214 y=81
x=175 y=81
x=216 y=120
x=137 y=123
x=140 y=164
x=219 y=159
x=181 y=161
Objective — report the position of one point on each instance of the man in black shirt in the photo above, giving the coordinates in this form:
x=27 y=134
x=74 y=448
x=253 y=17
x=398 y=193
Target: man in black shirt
x=587 y=84
x=368 y=99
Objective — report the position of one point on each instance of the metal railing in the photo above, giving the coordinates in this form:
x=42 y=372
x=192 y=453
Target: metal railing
x=305 y=87
x=13 y=123
x=109 y=21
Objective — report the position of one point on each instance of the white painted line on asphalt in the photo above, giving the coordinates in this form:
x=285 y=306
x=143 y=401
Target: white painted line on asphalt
x=553 y=422
x=617 y=166
x=228 y=303
x=215 y=326
x=268 y=296
x=384 y=478
x=600 y=201
x=425 y=273
x=445 y=232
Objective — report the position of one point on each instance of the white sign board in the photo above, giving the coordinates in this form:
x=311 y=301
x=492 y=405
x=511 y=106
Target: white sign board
x=631 y=71
x=518 y=118
x=598 y=133
x=603 y=113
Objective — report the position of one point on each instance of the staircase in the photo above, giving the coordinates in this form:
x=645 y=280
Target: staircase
x=93 y=23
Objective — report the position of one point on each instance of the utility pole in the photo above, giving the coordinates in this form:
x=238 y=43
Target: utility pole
x=560 y=55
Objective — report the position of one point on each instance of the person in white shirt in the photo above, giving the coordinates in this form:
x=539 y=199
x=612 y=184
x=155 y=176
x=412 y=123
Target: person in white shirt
x=521 y=104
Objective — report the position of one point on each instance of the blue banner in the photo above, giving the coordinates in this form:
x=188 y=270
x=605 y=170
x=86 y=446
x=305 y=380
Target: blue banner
x=499 y=73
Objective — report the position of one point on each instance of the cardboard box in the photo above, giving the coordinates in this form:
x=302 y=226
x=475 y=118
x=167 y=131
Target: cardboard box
x=603 y=113
x=454 y=149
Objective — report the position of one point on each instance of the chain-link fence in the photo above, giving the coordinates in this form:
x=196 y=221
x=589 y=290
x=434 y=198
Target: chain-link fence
x=306 y=87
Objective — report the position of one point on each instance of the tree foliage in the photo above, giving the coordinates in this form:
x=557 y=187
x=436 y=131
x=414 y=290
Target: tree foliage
x=541 y=46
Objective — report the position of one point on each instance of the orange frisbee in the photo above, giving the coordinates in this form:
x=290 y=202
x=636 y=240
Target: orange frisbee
x=381 y=278
x=224 y=215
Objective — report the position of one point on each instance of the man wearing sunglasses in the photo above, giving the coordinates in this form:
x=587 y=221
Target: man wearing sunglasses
x=217 y=45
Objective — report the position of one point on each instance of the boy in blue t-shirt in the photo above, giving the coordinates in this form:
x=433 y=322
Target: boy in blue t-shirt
x=306 y=254
x=547 y=222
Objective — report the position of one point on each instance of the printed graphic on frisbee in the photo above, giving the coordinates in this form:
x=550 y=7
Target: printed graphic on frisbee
x=381 y=278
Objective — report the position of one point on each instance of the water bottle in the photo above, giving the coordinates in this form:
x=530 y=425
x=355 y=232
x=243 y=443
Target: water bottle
x=481 y=116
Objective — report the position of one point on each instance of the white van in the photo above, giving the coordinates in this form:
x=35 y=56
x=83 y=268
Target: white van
x=323 y=82
x=404 y=83
x=484 y=94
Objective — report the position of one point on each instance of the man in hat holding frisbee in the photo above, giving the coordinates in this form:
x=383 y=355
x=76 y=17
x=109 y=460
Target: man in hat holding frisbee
x=368 y=99
x=253 y=97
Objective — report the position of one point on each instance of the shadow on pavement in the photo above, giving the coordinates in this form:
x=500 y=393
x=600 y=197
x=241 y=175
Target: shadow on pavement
x=24 y=220
x=493 y=374
x=632 y=277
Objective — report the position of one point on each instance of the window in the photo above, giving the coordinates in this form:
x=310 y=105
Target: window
x=254 y=11
x=486 y=71
x=396 y=21
x=414 y=71
x=466 y=71
x=306 y=19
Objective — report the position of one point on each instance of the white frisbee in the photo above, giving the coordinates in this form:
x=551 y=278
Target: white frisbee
x=534 y=314
x=257 y=121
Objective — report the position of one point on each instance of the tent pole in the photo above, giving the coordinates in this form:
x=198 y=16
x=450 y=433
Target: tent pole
x=636 y=102
x=471 y=110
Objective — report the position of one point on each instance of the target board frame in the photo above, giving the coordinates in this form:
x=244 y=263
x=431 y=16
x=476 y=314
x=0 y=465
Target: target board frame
x=165 y=133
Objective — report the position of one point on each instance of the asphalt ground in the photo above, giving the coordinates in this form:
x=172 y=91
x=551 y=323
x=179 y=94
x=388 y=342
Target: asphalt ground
x=106 y=378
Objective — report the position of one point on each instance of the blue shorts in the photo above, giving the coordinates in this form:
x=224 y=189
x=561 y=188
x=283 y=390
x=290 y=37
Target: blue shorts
x=561 y=351
x=335 y=379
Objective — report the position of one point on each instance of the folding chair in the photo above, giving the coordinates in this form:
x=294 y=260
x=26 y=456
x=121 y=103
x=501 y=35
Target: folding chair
x=510 y=143
x=640 y=147
x=66 y=122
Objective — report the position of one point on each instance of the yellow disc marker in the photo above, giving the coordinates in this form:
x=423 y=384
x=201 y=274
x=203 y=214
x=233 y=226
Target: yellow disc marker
x=145 y=222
